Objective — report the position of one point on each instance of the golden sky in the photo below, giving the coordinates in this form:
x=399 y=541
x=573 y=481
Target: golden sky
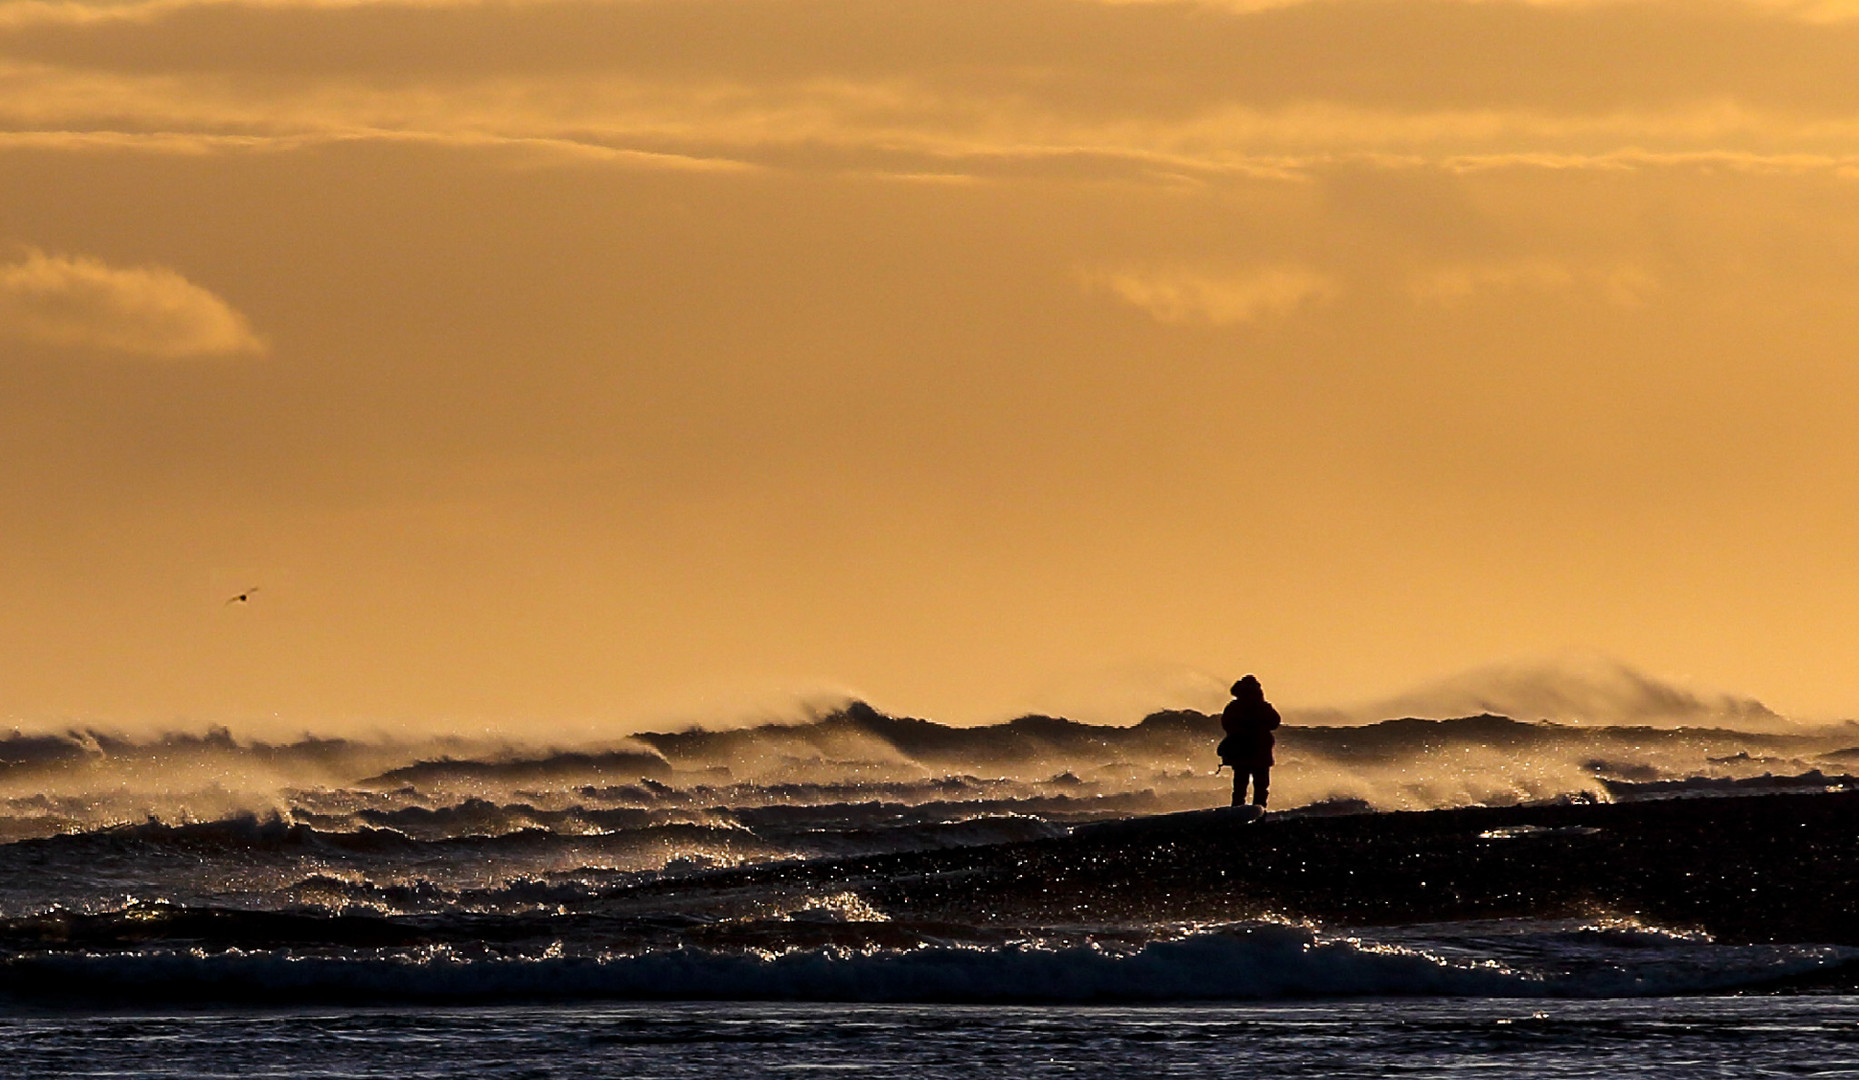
x=585 y=362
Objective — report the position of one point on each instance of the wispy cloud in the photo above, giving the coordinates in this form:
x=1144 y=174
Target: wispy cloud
x=75 y=302
x=1625 y=284
x=1182 y=295
x=1156 y=92
x=1096 y=90
x=630 y=123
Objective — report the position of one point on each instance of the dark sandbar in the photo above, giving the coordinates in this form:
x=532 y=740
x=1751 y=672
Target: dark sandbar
x=1759 y=868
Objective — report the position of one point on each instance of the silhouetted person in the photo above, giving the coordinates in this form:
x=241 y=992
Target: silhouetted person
x=1248 y=721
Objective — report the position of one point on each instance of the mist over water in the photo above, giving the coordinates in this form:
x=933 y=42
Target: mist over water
x=857 y=778
x=1576 y=689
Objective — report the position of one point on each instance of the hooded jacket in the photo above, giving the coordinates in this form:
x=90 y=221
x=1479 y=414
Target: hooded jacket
x=1248 y=725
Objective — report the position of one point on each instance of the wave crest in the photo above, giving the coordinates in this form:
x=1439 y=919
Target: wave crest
x=1245 y=962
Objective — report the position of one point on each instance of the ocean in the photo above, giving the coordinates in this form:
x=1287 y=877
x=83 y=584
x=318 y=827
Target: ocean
x=879 y=896
x=1428 y=1037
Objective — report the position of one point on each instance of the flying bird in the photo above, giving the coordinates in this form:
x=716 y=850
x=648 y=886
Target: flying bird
x=244 y=597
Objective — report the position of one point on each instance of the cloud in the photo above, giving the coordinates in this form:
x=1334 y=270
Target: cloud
x=143 y=310
x=1625 y=285
x=1453 y=284
x=1180 y=295
x=874 y=129
x=1145 y=91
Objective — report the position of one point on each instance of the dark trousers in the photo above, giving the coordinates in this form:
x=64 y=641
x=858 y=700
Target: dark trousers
x=1261 y=776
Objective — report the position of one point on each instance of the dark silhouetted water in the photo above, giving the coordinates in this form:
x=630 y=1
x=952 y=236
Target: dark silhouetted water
x=871 y=896
x=1802 y=1036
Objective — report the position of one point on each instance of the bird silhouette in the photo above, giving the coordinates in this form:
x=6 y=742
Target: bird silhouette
x=244 y=597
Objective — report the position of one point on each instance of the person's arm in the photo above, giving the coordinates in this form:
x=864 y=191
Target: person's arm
x=1272 y=714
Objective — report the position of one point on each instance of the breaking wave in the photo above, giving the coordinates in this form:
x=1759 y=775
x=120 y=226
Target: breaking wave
x=859 y=769
x=1243 y=962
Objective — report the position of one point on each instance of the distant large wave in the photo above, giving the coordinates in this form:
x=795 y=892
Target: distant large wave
x=862 y=769
x=1577 y=689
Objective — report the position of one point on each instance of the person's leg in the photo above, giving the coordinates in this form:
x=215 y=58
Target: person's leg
x=1261 y=780
x=1239 y=787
